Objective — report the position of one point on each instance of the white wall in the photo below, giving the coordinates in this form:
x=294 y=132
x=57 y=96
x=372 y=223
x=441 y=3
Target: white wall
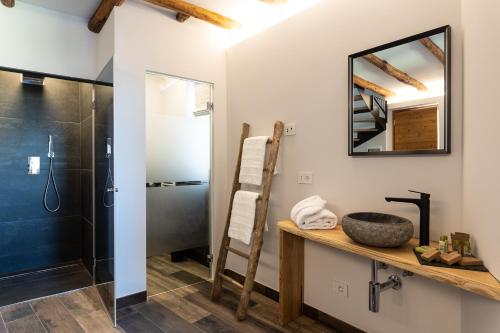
x=105 y=45
x=160 y=44
x=297 y=71
x=481 y=162
x=46 y=41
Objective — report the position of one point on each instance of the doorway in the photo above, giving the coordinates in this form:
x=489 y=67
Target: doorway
x=178 y=169
x=416 y=128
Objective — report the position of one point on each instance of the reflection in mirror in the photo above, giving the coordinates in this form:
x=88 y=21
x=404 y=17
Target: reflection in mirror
x=400 y=102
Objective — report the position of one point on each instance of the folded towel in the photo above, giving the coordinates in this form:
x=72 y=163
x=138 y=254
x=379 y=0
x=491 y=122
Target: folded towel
x=324 y=219
x=252 y=160
x=243 y=216
x=310 y=213
x=306 y=207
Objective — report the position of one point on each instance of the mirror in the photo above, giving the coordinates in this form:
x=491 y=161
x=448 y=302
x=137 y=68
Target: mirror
x=399 y=97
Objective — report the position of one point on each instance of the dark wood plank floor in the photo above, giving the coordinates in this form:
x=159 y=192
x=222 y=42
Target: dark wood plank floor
x=164 y=275
x=181 y=309
x=44 y=283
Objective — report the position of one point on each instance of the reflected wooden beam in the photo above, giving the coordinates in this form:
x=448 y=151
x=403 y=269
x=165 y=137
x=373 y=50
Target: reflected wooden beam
x=198 y=12
x=9 y=3
x=357 y=80
x=433 y=48
x=394 y=72
x=102 y=13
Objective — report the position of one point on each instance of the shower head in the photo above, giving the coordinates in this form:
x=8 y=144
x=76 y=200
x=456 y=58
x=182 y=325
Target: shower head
x=51 y=153
x=32 y=79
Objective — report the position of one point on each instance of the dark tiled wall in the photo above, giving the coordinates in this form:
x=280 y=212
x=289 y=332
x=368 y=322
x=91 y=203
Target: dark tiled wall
x=30 y=237
x=86 y=175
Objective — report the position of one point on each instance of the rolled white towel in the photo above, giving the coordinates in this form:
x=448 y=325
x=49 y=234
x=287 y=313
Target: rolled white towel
x=306 y=207
x=310 y=213
x=324 y=219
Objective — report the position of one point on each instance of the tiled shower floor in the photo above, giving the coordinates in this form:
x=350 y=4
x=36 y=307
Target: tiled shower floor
x=43 y=283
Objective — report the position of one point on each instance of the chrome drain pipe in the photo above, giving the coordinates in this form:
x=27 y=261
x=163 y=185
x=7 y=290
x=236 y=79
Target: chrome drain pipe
x=375 y=287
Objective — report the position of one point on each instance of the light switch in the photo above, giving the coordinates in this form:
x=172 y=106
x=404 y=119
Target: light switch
x=305 y=178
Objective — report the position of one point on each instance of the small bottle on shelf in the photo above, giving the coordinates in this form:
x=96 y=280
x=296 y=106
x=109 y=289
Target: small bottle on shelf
x=443 y=244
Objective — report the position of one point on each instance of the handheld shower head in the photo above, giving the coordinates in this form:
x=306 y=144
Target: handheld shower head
x=109 y=147
x=51 y=148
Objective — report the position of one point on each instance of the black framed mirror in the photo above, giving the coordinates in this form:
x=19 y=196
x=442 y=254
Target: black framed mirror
x=399 y=97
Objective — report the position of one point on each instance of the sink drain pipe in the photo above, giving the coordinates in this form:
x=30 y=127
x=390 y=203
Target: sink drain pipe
x=376 y=288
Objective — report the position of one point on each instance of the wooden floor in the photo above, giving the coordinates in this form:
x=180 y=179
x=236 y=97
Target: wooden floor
x=185 y=307
x=164 y=275
x=44 y=283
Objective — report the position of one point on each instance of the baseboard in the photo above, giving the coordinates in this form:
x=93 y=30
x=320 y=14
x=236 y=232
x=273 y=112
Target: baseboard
x=324 y=318
x=258 y=287
x=309 y=311
x=130 y=300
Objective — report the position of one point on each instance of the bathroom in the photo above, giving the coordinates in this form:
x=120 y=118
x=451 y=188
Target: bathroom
x=293 y=68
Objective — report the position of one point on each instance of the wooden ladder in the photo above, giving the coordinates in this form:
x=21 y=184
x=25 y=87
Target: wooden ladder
x=260 y=223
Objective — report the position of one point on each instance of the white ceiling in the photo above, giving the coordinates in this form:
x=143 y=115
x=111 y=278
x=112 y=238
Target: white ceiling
x=412 y=58
x=254 y=15
x=81 y=8
x=85 y=8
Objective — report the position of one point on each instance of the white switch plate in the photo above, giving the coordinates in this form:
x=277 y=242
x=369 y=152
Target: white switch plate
x=290 y=129
x=305 y=178
x=341 y=288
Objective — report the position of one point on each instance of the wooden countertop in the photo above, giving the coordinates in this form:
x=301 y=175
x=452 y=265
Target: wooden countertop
x=480 y=283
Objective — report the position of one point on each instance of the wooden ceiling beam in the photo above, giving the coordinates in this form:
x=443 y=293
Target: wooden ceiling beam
x=102 y=13
x=180 y=17
x=433 y=48
x=9 y=3
x=186 y=8
x=357 y=80
x=394 y=72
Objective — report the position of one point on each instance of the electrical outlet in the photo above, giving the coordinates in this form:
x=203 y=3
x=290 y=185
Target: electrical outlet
x=305 y=178
x=341 y=288
x=290 y=129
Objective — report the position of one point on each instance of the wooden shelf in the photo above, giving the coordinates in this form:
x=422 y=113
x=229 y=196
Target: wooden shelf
x=480 y=283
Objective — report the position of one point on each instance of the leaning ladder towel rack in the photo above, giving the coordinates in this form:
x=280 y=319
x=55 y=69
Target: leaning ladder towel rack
x=260 y=223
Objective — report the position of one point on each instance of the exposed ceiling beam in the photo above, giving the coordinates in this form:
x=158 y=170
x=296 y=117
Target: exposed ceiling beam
x=394 y=72
x=180 y=17
x=201 y=13
x=372 y=86
x=433 y=48
x=9 y=3
x=102 y=13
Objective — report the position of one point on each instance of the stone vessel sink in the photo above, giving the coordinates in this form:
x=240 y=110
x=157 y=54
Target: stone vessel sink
x=377 y=229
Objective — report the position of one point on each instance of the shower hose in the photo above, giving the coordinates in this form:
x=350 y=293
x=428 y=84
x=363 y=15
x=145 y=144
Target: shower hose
x=109 y=180
x=49 y=178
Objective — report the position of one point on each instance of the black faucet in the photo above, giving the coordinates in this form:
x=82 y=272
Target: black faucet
x=424 y=204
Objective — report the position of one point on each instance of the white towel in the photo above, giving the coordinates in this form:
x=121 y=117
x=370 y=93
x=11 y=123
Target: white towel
x=324 y=219
x=243 y=216
x=308 y=206
x=310 y=213
x=252 y=160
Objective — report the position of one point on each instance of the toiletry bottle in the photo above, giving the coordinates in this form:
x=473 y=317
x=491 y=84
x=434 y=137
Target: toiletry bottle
x=467 y=249
x=443 y=244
